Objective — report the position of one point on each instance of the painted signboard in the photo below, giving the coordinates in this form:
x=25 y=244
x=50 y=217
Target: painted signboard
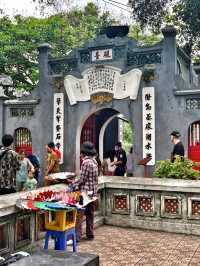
x=148 y=102
x=102 y=55
x=58 y=122
x=103 y=79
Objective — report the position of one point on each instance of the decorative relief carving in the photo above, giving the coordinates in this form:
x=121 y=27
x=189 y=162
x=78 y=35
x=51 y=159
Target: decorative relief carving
x=58 y=84
x=61 y=67
x=120 y=203
x=144 y=205
x=119 y=52
x=193 y=104
x=85 y=56
x=21 y=112
x=194 y=208
x=143 y=58
x=101 y=98
x=171 y=207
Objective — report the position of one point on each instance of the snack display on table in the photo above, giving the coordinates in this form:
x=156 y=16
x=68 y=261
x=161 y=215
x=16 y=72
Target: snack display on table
x=62 y=175
x=50 y=200
x=54 y=200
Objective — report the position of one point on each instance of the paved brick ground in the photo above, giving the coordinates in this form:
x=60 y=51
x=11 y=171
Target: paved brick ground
x=120 y=246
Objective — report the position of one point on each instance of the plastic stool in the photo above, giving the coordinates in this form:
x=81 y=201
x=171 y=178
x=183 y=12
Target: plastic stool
x=60 y=220
x=61 y=239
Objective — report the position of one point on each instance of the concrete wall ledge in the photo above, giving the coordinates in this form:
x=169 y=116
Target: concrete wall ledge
x=8 y=202
x=141 y=183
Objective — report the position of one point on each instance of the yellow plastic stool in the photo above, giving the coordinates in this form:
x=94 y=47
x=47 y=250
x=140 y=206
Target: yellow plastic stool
x=60 y=220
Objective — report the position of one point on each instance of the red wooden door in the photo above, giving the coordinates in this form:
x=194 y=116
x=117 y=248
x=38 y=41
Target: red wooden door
x=194 y=143
x=88 y=132
x=23 y=140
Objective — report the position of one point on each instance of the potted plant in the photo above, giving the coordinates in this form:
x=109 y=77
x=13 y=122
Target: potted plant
x=181 y=168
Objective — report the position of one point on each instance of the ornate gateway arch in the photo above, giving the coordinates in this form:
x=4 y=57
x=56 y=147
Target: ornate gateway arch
x=107 y=76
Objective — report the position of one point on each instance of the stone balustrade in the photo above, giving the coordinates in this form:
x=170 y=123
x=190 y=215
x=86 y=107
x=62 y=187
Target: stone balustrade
x=147 y=203
x=170 y=205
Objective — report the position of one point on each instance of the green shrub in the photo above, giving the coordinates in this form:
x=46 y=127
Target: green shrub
x=179 y=169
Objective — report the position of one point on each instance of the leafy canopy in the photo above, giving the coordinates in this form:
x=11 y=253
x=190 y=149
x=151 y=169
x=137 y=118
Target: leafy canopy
x=184 y=14
x=19 y=38
x=127 y=134
x=145 y=39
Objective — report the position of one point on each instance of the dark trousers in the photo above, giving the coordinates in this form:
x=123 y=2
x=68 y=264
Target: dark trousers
x=89 y=213
x=120 y=171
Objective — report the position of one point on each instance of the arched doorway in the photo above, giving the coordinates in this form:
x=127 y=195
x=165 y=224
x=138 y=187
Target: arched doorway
x=23 y=140
x=88 y=132
x=104 y=128
x=194 y=142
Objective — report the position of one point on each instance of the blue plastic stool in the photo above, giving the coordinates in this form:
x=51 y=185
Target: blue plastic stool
x=61 y=239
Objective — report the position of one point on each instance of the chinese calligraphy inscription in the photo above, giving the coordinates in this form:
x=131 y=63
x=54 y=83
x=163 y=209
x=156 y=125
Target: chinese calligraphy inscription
x=148 y=100
x=100 y=80
x=58 y=122
x=101 y=55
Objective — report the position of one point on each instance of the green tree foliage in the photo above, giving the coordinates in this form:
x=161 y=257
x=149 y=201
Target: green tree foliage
x=19 y=38
x=145 y=39
x=150 y=13
x=184 y=14
x=127 y=136
x=180 y=169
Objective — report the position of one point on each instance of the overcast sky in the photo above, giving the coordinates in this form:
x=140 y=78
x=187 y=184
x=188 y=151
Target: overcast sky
x=27 y=8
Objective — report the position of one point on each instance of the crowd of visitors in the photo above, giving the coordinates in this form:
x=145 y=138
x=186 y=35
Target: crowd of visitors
x=19 y=172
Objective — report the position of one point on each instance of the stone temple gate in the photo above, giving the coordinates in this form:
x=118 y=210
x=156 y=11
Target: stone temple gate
x=153 y=87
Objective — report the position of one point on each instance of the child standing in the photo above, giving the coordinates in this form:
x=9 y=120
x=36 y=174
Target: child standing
x=22 y=173
x=31 y=182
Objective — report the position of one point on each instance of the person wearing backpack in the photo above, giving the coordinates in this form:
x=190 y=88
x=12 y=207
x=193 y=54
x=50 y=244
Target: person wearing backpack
x=9 y=165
